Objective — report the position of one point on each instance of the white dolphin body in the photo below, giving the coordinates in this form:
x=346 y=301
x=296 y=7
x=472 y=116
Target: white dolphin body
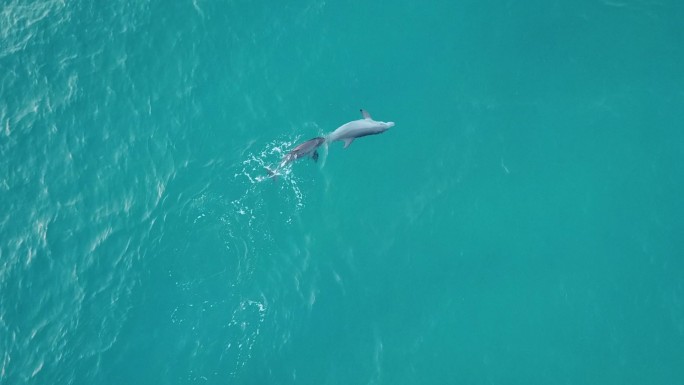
x=358 y=128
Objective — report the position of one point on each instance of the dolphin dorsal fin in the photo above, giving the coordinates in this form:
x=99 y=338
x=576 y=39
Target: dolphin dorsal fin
x=347 y=142
x=365 y=114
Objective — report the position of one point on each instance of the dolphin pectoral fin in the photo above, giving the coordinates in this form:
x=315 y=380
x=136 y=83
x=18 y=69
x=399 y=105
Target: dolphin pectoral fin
x=365 y=114
x=347 y=142
x=314 y=156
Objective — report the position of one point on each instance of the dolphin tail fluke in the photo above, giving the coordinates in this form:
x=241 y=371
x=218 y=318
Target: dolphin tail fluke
x=272 y=173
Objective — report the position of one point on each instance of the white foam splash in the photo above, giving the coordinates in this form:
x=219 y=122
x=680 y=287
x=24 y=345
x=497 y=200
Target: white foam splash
x=246 y=321
x=255 y=169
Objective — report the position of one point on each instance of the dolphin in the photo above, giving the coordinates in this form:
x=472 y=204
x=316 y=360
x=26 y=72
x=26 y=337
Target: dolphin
x=358 y=128
x=308 y=148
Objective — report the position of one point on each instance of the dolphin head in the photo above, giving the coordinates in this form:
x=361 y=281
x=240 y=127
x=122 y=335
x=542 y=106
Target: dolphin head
x=386 y=125
x=383 y=126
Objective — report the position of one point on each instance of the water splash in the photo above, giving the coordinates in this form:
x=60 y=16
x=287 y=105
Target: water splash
x=244 y=326
x=245 y=219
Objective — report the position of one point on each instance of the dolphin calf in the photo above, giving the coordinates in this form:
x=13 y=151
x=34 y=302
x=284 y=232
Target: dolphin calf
x=358 y=128
x=308 y=148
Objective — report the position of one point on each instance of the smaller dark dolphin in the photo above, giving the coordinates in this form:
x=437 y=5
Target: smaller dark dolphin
x=308 y=148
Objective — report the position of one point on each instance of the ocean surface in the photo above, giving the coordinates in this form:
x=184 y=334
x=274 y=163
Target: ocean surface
x=523 y=222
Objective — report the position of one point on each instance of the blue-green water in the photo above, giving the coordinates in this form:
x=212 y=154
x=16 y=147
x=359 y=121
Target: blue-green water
x=521 y=224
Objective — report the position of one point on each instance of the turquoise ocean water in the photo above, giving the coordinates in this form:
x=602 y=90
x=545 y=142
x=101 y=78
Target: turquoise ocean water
x=523 y=222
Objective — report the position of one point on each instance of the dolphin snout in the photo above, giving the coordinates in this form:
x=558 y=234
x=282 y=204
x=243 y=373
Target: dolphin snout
x=390 y=124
